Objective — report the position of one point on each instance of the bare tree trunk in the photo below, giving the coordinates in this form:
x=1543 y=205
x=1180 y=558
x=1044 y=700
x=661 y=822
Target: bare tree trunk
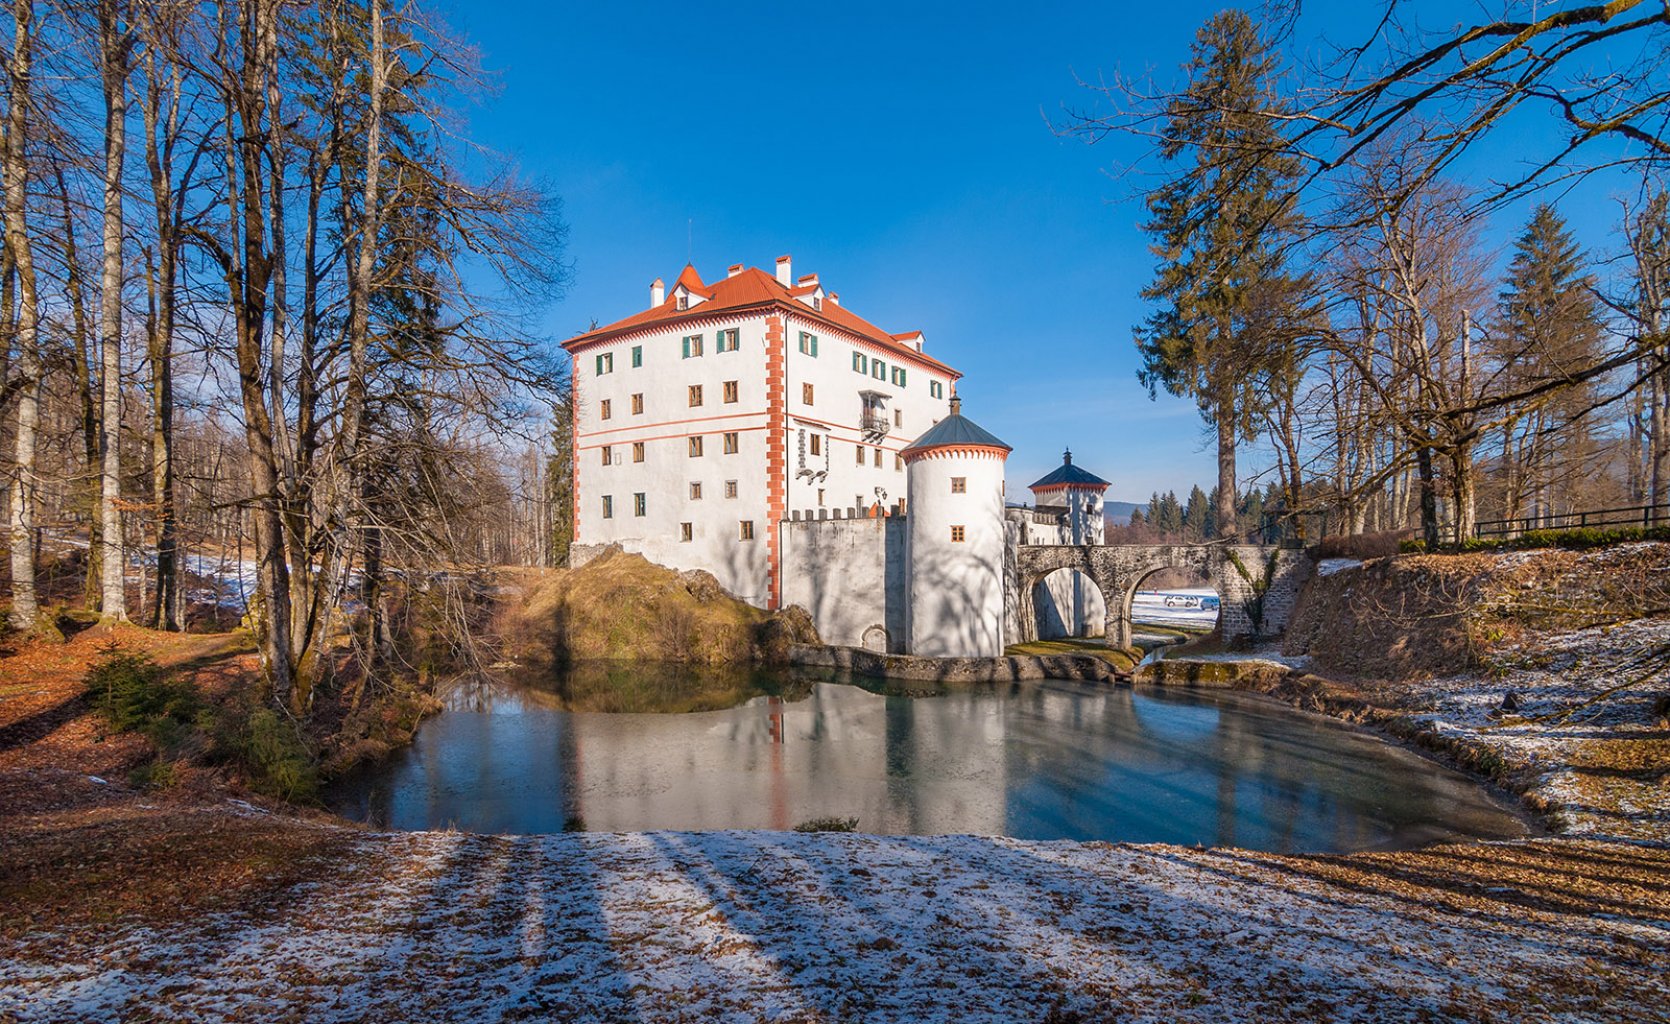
x=1226 y=422
x=25 y=605
x=167 y=608
x=113 y=57
x=81 y=334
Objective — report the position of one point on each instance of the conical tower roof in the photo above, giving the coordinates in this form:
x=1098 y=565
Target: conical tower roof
x=955 y=431
x=1068 y=475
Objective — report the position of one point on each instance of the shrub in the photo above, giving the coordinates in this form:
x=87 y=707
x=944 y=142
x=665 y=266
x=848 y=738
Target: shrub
x=134 y=694
x=1361 y=546
x=828 y=825
x=1575 y=539
x=273 y=755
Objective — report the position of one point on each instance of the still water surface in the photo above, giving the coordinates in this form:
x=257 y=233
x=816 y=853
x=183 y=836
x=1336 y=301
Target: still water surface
x=1053 y=760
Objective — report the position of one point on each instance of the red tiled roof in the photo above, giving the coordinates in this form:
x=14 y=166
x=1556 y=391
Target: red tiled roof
x=752 y=288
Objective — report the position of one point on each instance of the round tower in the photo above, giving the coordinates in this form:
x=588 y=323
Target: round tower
x=954 y=540
x=1076 y=496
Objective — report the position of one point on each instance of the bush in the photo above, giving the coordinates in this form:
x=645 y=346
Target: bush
x=274 y=757
x=134 y=694
x=828 y=825
x=1575 y=539
x=1361 y=546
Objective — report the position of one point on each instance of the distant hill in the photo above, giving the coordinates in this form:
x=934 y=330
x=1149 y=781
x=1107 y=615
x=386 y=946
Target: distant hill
x=1118 y=513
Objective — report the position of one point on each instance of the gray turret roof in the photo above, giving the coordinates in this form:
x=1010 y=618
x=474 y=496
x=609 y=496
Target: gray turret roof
x=1069 y=475
x=956 y=429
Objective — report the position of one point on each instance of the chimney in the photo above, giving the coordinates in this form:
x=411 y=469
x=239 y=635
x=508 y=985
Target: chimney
x=735 y=269
x=657 y=293
x=808 y=280
x=834 y=298
x=785 y=276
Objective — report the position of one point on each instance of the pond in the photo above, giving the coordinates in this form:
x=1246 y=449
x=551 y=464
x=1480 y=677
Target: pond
x=645 y=748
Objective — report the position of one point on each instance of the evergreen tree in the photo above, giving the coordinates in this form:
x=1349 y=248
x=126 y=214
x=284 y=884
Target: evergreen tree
x=1550 y=327
x=1194 y=515
x=1137 y=517
x=1219 y=228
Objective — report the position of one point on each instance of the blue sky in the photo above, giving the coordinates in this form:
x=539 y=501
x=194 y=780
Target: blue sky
x=901 y=153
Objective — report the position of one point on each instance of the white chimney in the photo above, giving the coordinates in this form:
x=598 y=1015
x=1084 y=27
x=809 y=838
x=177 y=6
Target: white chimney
x=657 y=293
x=735 y=269
x=785 y=276
x=809 y=281
x=835 y=298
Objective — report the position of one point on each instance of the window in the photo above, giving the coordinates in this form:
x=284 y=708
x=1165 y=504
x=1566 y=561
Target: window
x=637 y=356
x=639 y=506
x=878 y=458
x=746 y=530
x=696 y=447
x=730 y=488
x=730 y=391
x=637 y=451
x=725 y=341
x=695 y=395
x=878 y=369
x=695 y=490
x=682 y=302
x=899 y=376
x=820 y=497
x=684 y=532
x=808 y=344
x=956 y=535
x=860 y=363
x=861 y=455
x=898 y=417
x=936 y=389
x=692 y=346
x=731 y=442
x=806 y=394
x=604 y=408
x=959 y=485
x=605 y=363
x=898 y=463
x=608 y=454
x=638 y=404
x=817 y=444
x=608 y=506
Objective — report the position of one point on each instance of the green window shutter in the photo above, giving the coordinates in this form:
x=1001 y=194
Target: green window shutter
x=687 y=346
x=814 y=346
x=902 y=377
x=637 y=355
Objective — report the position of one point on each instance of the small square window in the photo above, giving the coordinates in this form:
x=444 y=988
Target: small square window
x=936 y=389
x=899 y=376
x=746 y=530
x=639 y=505
x=956 y=535
x=730 y=488
x=637 y=451
x=817 y=444
x=608 y=454
x=605 y=363
x=898 y=417
x=605 y=408
x=637 y=356
x=898 y=462
x=695 y=491
x=860 y=454
x=696 y=446
x=806 y=394
x=959 y=485
x=732 y=442
x=608 y=506
x=682 y=303
x=695 y=395
x=685 y=532
x=730 y=391
x=638 y=404
x=820 y=497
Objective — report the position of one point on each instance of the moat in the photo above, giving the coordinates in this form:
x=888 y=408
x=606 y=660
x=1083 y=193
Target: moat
x=1051 y=760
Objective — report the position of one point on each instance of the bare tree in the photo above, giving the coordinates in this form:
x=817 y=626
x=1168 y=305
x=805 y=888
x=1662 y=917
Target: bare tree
x=27 y=371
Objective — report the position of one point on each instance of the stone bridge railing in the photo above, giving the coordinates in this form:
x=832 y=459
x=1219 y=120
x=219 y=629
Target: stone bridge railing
x=1257 y=584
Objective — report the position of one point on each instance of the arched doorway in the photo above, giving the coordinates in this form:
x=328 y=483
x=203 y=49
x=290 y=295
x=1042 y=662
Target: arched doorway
x=1067 y=603
x=1172 y=605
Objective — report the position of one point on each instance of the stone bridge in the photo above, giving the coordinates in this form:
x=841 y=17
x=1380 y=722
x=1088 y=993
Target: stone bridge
x=1257 y=584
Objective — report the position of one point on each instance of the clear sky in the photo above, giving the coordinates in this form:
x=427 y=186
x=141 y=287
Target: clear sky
x=899 y=152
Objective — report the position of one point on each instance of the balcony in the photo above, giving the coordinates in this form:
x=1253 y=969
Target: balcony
x=875 y=423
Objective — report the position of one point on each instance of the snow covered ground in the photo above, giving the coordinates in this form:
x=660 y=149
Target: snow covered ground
x=1189 y=608
x=762 y=926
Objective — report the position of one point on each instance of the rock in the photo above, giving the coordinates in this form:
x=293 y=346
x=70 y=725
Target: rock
x=1510 y=701
x=1661 y=711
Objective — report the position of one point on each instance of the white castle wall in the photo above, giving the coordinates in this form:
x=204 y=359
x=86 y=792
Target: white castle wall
x=850 y=575
x=956 y=587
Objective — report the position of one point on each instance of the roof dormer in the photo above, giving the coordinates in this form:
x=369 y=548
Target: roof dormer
x=688 y=290
x=808 y=290
x=912 y=338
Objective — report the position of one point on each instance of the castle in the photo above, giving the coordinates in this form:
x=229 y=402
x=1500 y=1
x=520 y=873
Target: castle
x=757 y=429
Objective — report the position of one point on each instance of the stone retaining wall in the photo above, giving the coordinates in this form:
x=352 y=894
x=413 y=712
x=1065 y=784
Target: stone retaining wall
x=1009 y=669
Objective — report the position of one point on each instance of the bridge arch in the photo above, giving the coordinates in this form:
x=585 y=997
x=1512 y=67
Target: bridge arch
x=1257 y=584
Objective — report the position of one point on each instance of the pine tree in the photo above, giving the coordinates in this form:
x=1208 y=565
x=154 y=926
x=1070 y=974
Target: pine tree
x=1219 y=228
x=1194 y=515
